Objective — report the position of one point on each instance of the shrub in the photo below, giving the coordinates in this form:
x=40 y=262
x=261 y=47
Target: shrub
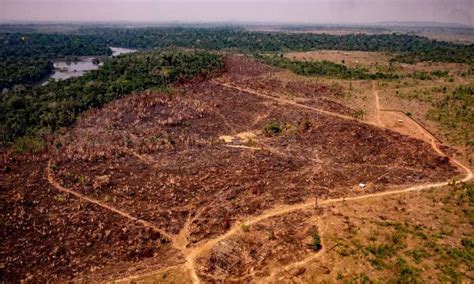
x=272 y=128
x=467 y=243
x=358 y=114
x=406 y=273
x=317 y=245
x=245 y=228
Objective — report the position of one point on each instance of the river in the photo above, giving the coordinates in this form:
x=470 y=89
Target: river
x=64 y=70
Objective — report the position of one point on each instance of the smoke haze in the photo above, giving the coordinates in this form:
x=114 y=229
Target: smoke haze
x=296 y=11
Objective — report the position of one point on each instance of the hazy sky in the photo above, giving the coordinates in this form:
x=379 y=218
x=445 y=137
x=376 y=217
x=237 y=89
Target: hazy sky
x=301 y=11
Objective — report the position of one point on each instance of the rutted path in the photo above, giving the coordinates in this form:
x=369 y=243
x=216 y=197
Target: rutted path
x=285 y=101
x=192 y=253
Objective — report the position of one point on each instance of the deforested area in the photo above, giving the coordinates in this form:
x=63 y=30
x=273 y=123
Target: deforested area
x=216 y=152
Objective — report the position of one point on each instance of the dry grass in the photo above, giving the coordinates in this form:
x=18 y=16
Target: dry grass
x=418 y=237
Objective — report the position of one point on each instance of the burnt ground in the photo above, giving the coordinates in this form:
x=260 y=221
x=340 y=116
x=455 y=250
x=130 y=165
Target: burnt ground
x=47 y=235
x=251 y=253
x=159 y=157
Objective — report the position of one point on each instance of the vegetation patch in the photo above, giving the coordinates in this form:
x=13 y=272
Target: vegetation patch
x=272 y=128
x=317 y=245
x=15 y=71
x=404 y=252
x=29 y=144
x=455 y=112
x=411 y=48
x=323 y=68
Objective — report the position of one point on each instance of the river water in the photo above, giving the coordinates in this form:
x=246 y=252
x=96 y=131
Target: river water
x=65 y=70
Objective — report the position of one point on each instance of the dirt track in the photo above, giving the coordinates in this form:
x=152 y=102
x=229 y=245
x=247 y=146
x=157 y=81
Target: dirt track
x=146 y=224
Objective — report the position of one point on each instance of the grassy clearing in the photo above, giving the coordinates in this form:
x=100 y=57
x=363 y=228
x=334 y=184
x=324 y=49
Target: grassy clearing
x=324 y=68
x=427 y=95
x=455 y=113
x=404 y=250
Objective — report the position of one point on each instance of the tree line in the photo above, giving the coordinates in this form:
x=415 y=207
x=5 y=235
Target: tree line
x=340 y=71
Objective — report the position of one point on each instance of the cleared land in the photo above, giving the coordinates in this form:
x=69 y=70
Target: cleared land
x=211 y=181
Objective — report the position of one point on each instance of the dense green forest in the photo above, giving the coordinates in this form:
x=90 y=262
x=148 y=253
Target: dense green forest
x=51 y=45
x=26 y=58
x=44 y=109
x=410 y=46
x=23 y=71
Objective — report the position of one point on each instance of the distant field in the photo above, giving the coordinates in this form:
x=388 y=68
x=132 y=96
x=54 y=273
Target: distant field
x=455 y=35
x=375 y=61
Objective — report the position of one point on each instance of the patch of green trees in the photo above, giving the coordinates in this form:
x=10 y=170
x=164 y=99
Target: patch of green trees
x=457 y=54
x=51 y=45
x=23 y=71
